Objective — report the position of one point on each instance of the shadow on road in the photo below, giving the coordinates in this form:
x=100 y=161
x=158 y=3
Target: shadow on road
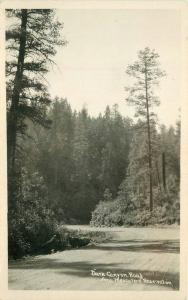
x=164 y=246
x=85 y=270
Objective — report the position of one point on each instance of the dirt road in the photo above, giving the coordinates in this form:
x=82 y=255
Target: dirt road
x=133 y=259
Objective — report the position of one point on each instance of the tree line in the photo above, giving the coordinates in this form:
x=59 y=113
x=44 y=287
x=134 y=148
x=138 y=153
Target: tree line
x=84 y=160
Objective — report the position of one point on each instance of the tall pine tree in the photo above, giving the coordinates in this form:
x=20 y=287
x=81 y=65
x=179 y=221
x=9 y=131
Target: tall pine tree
x=146 y=74
x=32 y=37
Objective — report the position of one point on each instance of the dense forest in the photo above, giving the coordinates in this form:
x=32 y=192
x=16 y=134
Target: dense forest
x=86 y=161
x=67 y=166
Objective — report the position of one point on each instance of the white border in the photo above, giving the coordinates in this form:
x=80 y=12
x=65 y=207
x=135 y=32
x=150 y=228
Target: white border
x=110 y=295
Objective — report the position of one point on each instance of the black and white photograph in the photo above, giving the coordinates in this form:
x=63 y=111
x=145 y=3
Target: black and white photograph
x=93 y=134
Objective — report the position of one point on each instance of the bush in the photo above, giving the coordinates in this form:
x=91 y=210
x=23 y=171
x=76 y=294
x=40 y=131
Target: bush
x=27 y=234
x=112 y=213
x=65 y=238
x=31 y=223
x=118 y=213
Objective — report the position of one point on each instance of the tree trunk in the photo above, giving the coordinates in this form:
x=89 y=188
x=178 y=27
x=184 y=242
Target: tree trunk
x=13 y=113
x=158 y=178
x=164 y=170
x=149 y=142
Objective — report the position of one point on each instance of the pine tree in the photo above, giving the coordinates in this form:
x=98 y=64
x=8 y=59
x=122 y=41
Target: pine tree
x=31 y=38
x=146 y=73
x=138 y=171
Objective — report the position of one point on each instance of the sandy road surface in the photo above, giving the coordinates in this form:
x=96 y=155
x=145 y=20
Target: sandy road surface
x=133 y=259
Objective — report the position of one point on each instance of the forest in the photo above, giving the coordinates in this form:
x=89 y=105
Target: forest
x=70 y=167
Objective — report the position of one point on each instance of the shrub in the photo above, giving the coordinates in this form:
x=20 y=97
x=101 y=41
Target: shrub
x=67 y=238
x=31 y=223
x=120 y=213
x=109 y=214
x=103 y=209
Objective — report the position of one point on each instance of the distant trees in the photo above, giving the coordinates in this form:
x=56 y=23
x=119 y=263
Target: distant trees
x=86 y=160
x=79 y=158
x=146 y=73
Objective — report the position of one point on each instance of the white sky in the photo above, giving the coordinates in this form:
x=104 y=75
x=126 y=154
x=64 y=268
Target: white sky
x=101 y=43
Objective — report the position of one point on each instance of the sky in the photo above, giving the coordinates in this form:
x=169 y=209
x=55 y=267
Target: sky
x=90 y=70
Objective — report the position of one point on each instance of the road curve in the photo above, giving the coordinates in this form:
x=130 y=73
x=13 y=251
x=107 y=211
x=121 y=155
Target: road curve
x=133 y=259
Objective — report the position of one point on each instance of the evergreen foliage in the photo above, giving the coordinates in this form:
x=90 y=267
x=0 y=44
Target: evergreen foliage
x=70 y=157
x=31 y=44
x=146 y=74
